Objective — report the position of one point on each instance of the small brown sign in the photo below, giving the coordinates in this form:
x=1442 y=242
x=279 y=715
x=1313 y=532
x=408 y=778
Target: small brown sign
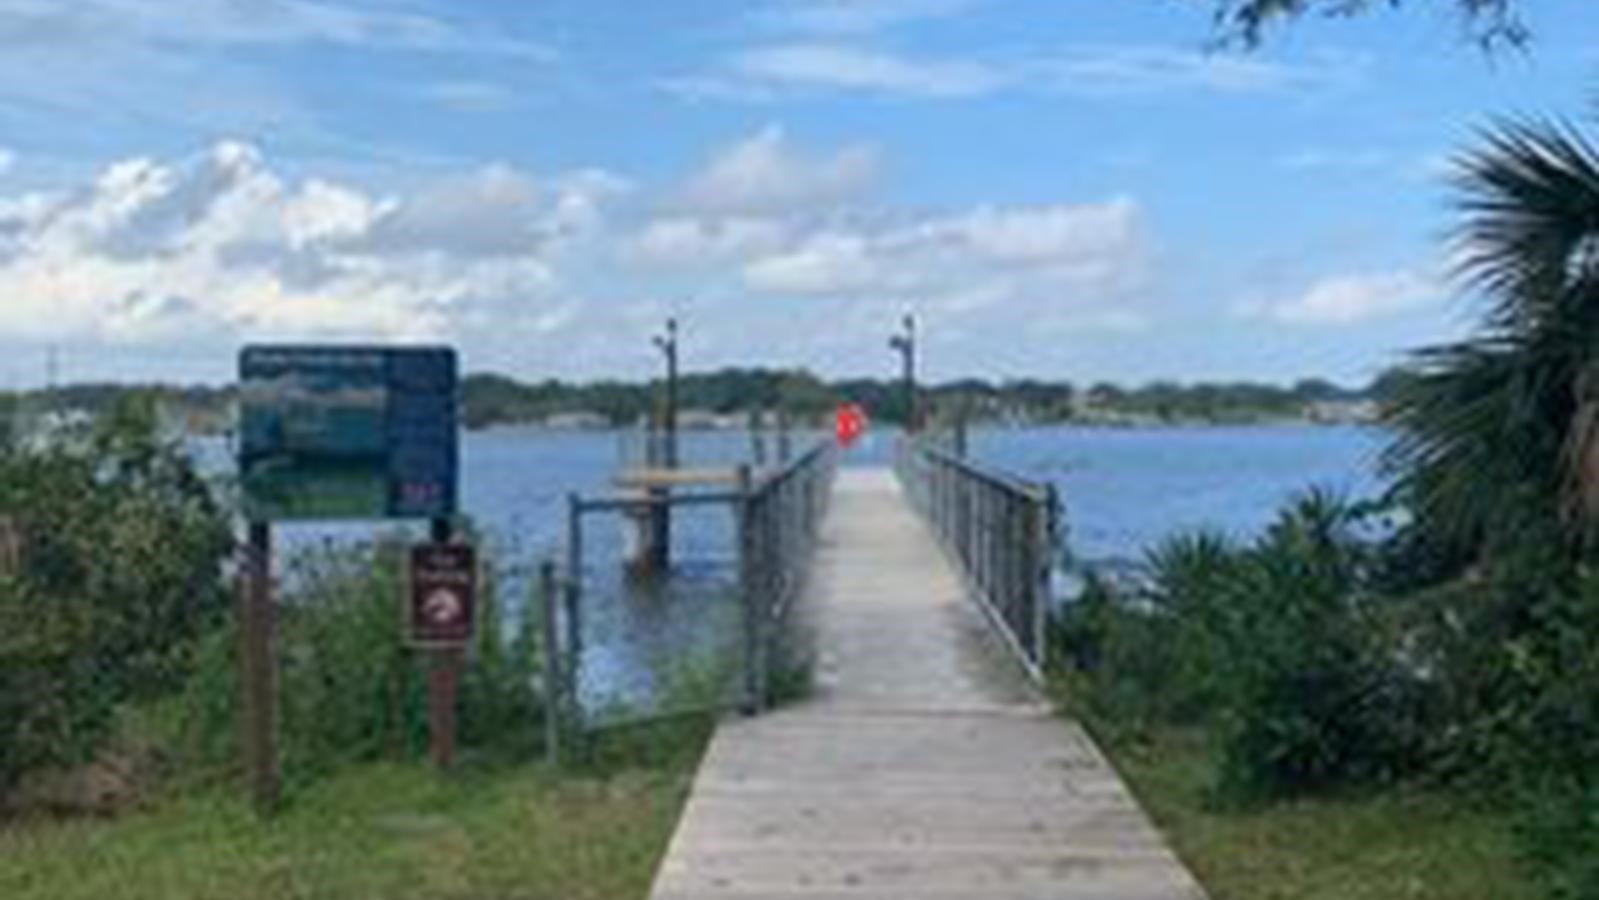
x=443 y=594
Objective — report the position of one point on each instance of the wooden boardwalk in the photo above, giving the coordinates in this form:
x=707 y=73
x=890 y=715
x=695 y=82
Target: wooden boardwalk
x=922 y=768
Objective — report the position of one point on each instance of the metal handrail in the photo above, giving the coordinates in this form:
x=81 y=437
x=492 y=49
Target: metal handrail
x=999 y=530
x=779 y=519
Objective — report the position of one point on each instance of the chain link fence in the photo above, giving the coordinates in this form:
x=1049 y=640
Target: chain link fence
x=700 y=642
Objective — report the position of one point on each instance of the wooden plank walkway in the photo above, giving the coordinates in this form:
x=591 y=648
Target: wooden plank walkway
x=922 y=768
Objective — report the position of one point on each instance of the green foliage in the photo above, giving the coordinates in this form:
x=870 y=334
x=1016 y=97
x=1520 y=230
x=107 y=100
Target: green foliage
x=495 y=399
x=1124 y=673
x=490 y=399
x=112 y=569
x=1498 y=460
x=1278 y=647
x=351 y=688
x=1490 y=22
x=1464 y=642
x=1559 y=829
x=1516 y=652
x=1315 y=691
x=9 y=407
x=1499 y=433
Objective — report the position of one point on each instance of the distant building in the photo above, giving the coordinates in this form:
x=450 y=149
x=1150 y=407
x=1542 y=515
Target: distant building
x=581 y=420
x=1343 y=412
x=707 y=420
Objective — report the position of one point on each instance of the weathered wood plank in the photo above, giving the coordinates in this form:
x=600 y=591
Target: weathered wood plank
x=923 y=768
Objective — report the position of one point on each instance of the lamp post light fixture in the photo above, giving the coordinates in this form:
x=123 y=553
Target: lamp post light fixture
x=905 y=344
x=667 y=343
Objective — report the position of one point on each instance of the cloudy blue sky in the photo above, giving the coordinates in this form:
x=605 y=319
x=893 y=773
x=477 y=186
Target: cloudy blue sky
x=1061 y=188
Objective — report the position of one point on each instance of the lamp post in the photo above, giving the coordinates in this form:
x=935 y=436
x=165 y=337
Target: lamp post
x=905 y=344
x=667 y=343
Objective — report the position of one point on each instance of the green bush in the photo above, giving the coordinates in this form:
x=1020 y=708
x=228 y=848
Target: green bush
x=1316 y=691
x=351 y=687
x=1279 y=647
x=1558 y=826
x=1531 y=720
x=112 y=567
x=1123 y=671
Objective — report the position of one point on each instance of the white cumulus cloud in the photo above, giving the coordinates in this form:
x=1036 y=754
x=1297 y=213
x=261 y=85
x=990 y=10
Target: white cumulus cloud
x=1352 y=298
x=986 y=251
x=684 y=241
x=778 y=225
x=766 y=172
x=219 y=244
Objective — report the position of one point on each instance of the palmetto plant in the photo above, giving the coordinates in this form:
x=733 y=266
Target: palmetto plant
x=1499 y=433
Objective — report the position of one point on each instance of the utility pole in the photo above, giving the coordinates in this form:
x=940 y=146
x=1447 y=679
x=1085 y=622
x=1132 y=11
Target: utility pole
x=905 y=344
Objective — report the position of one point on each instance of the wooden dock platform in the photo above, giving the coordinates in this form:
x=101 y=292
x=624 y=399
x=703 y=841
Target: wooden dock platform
x=660 y=477
x=924 y=766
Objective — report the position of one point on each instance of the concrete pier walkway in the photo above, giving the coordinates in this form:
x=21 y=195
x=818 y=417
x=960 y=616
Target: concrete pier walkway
x=923 y=767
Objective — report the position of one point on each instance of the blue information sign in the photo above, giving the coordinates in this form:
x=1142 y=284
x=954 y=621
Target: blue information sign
x=336 y=432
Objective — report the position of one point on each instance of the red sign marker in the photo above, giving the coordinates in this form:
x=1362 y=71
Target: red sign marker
x=849 y=423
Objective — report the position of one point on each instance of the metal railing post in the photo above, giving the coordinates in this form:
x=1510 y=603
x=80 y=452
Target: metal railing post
x=746 y=526
x=573 y=670
x=1045 y=570
x=554 y=693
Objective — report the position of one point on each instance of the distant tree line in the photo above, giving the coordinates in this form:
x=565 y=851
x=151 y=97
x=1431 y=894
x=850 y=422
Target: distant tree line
x=496 y=399
x=493 y=399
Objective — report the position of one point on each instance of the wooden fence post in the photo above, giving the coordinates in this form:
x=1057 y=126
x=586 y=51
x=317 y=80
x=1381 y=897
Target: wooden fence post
x=258 y=670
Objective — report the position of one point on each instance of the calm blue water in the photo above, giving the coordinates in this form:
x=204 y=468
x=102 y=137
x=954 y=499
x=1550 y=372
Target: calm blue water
x=1122 y=490
x=1125 y=489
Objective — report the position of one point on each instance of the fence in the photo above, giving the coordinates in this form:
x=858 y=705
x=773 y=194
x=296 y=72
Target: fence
x=777 y=513
x=1001 y=532
x=778 y=521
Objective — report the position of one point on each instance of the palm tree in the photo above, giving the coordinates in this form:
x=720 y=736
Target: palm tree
x=1499 y=433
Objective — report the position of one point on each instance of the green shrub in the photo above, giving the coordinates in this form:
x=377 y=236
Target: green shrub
x=351 y=687
x=1279 y=647
x=113 y=567
x=1193 y=577
x=1558 y=827
x=1123 y=670
x=1531 y=718
x=1315 y=691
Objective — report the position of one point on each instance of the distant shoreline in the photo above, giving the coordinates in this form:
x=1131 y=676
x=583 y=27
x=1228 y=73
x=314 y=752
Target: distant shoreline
x=1097 y=425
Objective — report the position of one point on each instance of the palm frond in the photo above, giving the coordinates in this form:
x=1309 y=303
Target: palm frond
x=1502 y=429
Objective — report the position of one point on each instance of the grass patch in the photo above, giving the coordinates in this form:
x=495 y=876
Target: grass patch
x=1368 y=846
x=382 y=830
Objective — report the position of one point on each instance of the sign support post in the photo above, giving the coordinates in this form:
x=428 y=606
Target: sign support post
x=444 y=679
x=259 y=680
